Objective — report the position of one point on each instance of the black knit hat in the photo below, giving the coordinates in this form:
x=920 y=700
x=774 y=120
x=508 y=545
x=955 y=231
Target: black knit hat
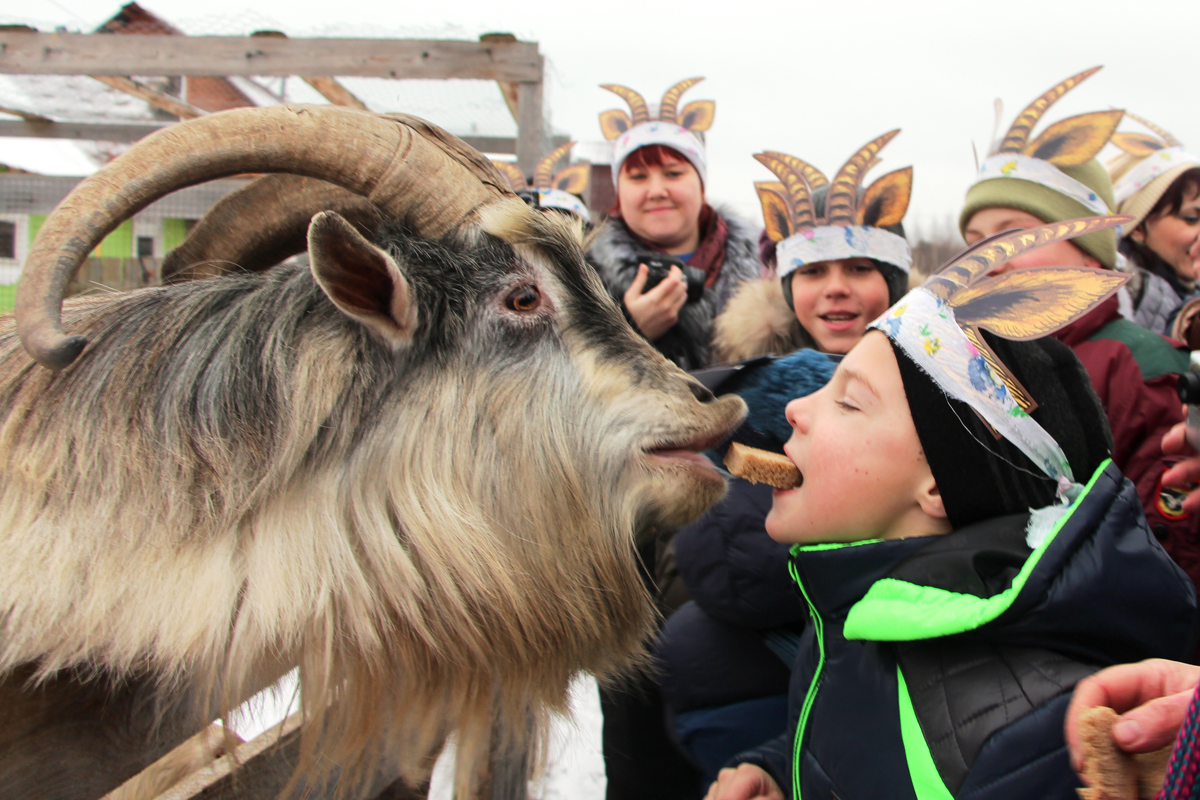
x=980 y=476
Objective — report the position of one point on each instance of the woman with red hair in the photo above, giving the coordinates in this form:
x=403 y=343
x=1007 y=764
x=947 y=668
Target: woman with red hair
x=659 y=168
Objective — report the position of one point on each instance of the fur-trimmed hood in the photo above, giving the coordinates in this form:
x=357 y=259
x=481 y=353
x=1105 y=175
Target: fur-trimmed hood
x=757 y=321
x=688 y=343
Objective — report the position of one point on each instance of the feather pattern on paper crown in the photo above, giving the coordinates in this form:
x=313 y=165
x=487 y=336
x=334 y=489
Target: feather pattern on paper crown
x=696 y=116
x=572 y=179
x=939 y=327
x=1022 y=304
x=788 y=207
x=1070 y=142
x=1141 y=144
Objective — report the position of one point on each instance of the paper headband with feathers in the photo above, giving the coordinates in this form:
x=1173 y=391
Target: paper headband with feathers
x=696 y=116
x=1143 y=159
x=1067 y=143
x=938 y=326
x=554 y=189
x=852 y=226
x=679 y=129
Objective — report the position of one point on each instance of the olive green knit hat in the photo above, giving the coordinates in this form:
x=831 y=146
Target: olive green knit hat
x=1056 y=176
x=1049 y=205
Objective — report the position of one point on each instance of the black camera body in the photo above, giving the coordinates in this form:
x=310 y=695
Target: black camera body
x=660 y=266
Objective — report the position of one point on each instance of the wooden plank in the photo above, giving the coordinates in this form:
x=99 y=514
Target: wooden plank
x=267 y=763
x=103 y=54
x=531 y=126
x=334 y=92
x=132 y=131
x=25 y=115
x=172 y=105
x=95 y=131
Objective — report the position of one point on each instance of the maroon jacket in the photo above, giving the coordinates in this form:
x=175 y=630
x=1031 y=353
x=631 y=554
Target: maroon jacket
x=1134 y=371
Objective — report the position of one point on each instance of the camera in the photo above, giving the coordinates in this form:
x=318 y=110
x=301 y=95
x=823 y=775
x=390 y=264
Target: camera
x=660 y=266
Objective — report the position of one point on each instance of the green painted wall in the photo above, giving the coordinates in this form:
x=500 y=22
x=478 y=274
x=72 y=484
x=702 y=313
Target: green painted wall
x=174 y=231
x=35 y=225
x=119 y=243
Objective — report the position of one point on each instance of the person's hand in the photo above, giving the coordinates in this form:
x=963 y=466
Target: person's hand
x=747 y=782
x=1152 y=698
x=1186 y=472
x=656 y=311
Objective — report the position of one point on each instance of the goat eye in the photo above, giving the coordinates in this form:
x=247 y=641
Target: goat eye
x=524 y=299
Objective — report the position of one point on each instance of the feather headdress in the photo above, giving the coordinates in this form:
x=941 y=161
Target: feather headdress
x=1143 y=160
x=679 y=129
x=939 y=324
x=554 y=189
x=1068 y=143
x=851 y=226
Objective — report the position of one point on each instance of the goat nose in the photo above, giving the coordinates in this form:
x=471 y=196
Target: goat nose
x=700 y=392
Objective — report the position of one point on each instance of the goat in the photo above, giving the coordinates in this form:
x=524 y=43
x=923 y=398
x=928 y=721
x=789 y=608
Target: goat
x=415 y=468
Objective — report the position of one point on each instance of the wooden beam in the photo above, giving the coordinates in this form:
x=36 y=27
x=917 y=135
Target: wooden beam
x=105 y=54
x=25 y=115
x=172 y=105
x=133 y=131
x=334 y=92
x=531 y=126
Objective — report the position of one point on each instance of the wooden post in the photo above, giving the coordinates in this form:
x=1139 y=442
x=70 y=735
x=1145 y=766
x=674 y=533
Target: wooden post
x=531 y=123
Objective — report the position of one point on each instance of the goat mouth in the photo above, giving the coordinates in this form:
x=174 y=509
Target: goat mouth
x=687 y=451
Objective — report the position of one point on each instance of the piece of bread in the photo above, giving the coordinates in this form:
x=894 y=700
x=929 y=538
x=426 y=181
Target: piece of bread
x=1109 y=772
x=761 y=466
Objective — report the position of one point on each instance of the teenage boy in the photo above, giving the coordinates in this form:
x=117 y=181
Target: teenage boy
x=966 y=549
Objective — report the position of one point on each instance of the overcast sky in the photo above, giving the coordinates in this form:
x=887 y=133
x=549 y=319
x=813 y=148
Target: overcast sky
x=816 y=80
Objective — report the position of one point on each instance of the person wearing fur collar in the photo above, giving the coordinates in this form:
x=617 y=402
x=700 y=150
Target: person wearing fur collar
x=659 y=168
x=726 y=654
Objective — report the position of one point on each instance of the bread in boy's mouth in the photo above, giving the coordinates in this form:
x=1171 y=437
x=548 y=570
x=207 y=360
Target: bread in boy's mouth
x=1110 y=772
x=762 y=466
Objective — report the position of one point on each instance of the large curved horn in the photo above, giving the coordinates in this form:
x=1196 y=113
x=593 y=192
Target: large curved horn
x=1018 y=134
x=543 y=173
x=812 y=176
x=798 y=198
x=1168 y=139
x=668 y=111
x=261 y=224
x=842 y=200
x=413 y=172
x=637 y=104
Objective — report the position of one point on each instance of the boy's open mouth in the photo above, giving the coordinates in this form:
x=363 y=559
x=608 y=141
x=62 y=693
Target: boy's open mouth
x=839 y=319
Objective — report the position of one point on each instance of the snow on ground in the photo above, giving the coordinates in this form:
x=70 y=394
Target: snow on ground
x=574 y=764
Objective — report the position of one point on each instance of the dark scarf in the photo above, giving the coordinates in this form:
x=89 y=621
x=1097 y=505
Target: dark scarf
x=709 y=255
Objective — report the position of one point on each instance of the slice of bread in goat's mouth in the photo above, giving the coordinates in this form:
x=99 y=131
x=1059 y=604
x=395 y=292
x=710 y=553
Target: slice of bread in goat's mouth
x=761 y=466
x=1109 y=772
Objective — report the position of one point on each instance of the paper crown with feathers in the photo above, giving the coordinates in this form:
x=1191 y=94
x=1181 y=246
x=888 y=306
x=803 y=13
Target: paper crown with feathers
x=1068 y=143
x=1143 y=159
x=852 y=226
x=679 y=129
x=938 y=325
x=554 y=189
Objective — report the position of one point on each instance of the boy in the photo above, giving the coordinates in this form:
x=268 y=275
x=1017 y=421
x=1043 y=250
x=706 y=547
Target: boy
x=960 y=577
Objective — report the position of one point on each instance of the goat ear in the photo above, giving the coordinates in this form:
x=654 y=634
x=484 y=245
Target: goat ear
x=573 y=179
x=1136 y=144
x=698 y=116
x=776 y=218
x=886 y=200
x=361 y=279
x=1075 y=140
x=614 y=122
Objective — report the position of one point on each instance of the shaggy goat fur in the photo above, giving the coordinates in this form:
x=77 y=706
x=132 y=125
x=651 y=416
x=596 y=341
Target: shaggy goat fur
x=236 y=477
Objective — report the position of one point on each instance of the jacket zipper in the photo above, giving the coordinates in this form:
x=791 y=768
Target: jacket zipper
x=811 y=695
